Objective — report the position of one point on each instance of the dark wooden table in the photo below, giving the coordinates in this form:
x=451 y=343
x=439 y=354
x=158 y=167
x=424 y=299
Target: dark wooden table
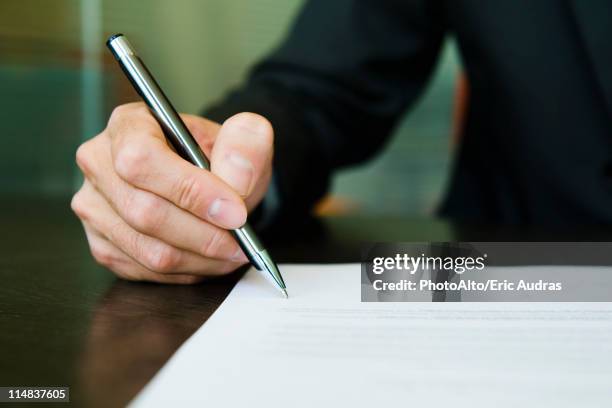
x=65 y=321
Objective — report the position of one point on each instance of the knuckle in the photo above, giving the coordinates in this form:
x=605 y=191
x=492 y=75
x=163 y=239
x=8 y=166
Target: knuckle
x=213 y=243
x=130 y=160
x=140 y=109
x=77 y=205
x=117 y=113
x=120 y=112
x=123 y=115
x=83 y=156
x=162 y=259
x=145 y=212
x=189 y=193
x=102 y=256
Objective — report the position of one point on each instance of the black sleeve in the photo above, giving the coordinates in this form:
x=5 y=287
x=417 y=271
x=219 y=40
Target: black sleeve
x=335 y=88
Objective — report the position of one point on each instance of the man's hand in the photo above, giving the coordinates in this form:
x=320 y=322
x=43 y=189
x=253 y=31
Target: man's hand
x=150 y=215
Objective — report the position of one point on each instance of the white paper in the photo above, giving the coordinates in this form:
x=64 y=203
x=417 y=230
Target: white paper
x=324 y=347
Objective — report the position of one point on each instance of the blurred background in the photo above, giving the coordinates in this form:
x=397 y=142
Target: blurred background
x=58 y=85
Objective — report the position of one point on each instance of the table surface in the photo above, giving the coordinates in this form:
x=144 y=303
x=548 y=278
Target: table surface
x=65 y=321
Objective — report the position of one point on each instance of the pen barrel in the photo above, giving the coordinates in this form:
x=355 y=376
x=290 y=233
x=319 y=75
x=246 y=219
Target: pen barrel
x=172 y=125
x=250 y=245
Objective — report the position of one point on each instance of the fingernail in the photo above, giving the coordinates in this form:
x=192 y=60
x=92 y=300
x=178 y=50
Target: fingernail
x=239 y=256
x=227 y=214
x=238 y=173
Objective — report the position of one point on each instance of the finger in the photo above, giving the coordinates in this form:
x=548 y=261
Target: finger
x=203 y=130
x=146 y=162
x=108 y=255
x=242 y=151
x=135 y=117
x=156 y=217
x=153 y=254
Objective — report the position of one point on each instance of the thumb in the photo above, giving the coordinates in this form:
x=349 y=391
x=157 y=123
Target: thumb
x=242 y=154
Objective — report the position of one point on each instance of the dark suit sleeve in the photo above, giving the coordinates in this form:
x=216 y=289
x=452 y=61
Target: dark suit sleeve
x=336 y=87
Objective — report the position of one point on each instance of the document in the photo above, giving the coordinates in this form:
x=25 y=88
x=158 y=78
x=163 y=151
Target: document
x=323 y=347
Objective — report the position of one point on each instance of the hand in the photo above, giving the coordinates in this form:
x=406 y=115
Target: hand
x=150 y=215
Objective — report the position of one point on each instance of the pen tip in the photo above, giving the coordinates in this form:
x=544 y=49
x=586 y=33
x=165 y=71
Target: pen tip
x=285 y=293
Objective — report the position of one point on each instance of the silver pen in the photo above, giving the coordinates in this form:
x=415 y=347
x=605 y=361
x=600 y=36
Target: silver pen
x=183 y=142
